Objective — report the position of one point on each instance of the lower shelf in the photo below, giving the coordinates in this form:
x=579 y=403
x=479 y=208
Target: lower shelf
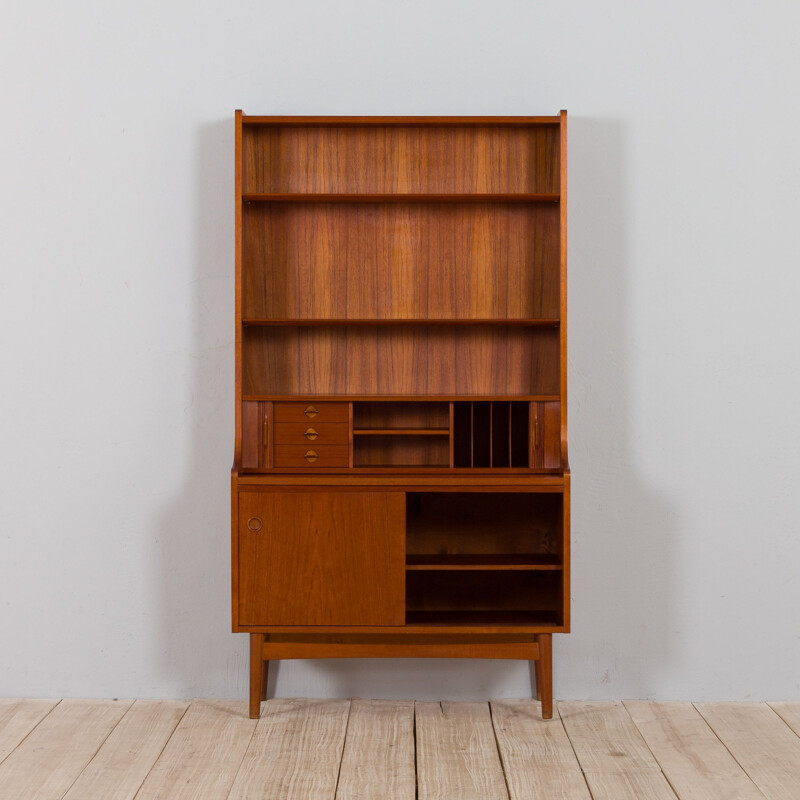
x=483 y=562
x=465 y=617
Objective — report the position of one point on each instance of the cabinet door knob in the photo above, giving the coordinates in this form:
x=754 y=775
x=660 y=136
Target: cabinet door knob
x=311 y=456
x=311 y=411
x=254 y=524
x=310 y=433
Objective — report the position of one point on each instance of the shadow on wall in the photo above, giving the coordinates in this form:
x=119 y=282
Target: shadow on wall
x=194 y=646
x=622 y=531
x=623 y=540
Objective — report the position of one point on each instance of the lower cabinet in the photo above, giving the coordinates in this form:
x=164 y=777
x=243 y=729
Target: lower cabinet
x=321 y=558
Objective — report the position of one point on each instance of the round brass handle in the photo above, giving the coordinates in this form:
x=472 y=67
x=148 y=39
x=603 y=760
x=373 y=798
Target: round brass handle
x=310 y=433
x=311 y=411
x=254 y=524
x=311 y=456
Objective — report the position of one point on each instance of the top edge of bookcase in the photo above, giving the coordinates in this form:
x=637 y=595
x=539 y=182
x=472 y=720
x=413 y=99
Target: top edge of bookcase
x=286 y=121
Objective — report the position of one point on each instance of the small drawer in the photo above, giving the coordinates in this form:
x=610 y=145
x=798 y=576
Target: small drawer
x=311 y=412
x=311 y=455
x=310 y=433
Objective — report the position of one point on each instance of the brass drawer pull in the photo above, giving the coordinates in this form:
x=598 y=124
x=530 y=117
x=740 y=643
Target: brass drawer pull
x=311 y=411
x=311 y=456
x=310 y=433
x=254 y=524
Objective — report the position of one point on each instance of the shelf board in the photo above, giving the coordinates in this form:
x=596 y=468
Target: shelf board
x=549 y=322
x=396 y=197
x=305 y=397
x=401 y=122
x=476 y=618
x=401 y=431
x=481 y=561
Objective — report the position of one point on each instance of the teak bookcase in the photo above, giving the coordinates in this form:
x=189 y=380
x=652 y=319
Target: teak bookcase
x=400 y=484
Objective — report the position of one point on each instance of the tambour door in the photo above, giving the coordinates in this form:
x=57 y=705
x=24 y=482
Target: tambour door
x=321 y=558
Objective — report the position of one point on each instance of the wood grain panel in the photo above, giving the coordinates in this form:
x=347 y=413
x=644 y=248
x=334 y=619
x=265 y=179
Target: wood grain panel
x=378 y=758
x=694 y=760
x=545 y=433
x=488 y=158
x=46 y=763
x=537 y=756
x=251 y=434
x=384 y=451
x=406 y=361
x=295 y=751
x=385 y=261
x=321 y=558
x=203 y=755
x=456 y=753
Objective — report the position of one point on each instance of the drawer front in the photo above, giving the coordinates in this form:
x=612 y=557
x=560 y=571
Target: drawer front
x=311 y=455
x=310 y=433
x=311 y=412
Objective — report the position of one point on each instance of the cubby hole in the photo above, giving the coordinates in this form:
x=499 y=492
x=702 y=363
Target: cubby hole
x=401 y=451
x=520 y=527
x=491 y=434
x=484 y=598
x=433 y=417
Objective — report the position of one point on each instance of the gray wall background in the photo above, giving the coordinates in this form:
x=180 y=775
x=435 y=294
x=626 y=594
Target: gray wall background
x=116 y=316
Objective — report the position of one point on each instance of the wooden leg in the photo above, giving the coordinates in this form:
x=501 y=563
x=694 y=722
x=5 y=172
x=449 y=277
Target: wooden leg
x=264 y=678
x=537 y=673
x=257 y=673
x=544 y=674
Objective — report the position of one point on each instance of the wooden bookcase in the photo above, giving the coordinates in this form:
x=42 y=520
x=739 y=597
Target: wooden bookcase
x=400 y=483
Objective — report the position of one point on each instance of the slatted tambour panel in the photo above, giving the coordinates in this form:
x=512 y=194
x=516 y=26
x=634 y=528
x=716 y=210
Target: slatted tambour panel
x=400 y=361
x=400 y=159
x=390 y=260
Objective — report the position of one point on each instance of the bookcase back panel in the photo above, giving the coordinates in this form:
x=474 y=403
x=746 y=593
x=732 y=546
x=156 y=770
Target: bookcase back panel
x=401 y=159
x=416 y=360
x=428 y=260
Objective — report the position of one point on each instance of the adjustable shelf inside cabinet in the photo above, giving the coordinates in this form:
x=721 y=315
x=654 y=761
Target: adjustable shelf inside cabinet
x=400 y=483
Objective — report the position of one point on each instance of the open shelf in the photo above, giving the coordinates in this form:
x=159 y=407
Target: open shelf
x=401 y=432
x=483 y=561
x=396 y=197
x=498 y=321
x=459 y=617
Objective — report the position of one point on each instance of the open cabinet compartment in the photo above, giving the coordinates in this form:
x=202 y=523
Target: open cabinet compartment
x=475 y=557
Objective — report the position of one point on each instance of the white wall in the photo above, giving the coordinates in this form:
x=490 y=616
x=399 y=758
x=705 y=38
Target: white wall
x=116 y=315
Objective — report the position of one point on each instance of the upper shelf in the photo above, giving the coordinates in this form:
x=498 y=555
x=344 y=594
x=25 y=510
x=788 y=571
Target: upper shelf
x=420 y=321
x=392 y=197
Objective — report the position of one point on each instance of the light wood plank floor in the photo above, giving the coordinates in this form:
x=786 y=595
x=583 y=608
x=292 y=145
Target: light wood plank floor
x=397 y=750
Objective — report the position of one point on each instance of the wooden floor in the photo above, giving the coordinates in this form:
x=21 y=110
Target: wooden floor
x=397 y=750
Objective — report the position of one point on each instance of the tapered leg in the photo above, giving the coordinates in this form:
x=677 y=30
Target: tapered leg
x=544 y=674
x=257 y=673
x=264 y=678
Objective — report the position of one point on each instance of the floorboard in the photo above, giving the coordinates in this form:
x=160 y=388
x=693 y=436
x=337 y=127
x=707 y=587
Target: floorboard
x=695 y=762
x=127 y=756
x=457 y=756
x=203 y=755
x=537 y=757
x=615 y=759
x=763 y=744
x=47 y=761
x=17 y=719
x=378 y=758
x=295 y=751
